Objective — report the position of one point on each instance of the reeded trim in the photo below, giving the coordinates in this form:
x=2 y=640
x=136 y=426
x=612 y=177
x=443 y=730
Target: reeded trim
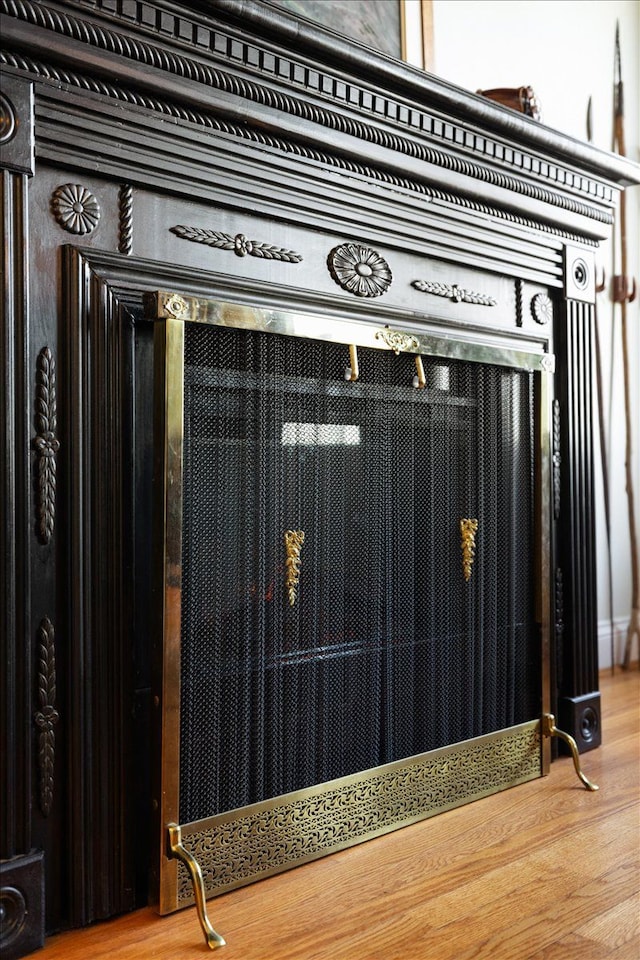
x=201 y=118
x=348 y=96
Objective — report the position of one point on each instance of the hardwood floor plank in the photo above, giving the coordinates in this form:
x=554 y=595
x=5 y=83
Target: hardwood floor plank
x=544 y=871
x=617 y=927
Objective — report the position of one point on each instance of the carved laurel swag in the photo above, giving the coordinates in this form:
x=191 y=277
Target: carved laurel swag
x=46 y=444
x=453 y=292
x=47 y=716
x=239 y=244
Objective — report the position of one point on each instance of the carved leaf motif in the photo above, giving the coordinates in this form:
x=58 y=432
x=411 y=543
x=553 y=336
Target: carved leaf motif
x=239 y=244
x=47 y=716
x=46 y=444
x=453 y=292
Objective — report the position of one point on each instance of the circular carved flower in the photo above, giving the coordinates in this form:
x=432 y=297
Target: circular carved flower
x=241 y=245
x=359 y=270
x=542 y=308
x=75 y=208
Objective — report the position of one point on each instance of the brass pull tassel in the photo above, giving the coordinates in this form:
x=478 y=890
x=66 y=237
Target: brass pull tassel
x=549 y=729
x=468 y=530
x=293 y=540
x=214 y=940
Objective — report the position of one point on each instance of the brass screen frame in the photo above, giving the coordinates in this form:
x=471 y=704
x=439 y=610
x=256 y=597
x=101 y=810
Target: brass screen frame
x=170 y=311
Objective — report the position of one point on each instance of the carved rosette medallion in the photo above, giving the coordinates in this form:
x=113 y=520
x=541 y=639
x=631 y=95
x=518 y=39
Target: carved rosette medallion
x=46 y=444
x=13 y=910
x=542 y=308
x=359 y=270
x=468 y=530
x=47 y=716
x=75 y=208
x=177 y=308
x=240 y=245
x=548 y=363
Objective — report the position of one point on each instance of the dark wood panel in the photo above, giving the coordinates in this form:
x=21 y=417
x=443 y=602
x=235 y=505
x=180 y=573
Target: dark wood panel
x=253 y=124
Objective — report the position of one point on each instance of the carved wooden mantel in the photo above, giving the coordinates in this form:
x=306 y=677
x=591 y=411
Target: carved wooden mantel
x=231 y=151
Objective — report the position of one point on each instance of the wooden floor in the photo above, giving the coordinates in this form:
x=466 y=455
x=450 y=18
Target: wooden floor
x=545 y=871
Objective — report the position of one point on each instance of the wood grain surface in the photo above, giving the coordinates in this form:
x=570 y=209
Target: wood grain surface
x=544 y=871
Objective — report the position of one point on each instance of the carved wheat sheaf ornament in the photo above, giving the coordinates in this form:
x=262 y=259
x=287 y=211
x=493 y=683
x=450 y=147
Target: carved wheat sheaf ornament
x=75 y=208
x=359 y=270
x=47 y=716
x=239 y=244
x=293 y=540
x=46 y=444
x=453 y=292
x=468 y=530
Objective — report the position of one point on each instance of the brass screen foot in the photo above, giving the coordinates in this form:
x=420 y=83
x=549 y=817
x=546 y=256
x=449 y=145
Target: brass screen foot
x=549 y=729
x=214 y=940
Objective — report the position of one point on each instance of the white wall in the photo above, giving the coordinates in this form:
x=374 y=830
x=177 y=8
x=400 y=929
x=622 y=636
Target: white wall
x=564 y=49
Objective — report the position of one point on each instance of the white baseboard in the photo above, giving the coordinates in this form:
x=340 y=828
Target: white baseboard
x=620 y=625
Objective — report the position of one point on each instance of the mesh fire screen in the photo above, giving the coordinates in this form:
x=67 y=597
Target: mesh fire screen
x=368 y=644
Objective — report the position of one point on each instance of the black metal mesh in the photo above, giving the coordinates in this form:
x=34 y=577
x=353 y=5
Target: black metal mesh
x=388 y=651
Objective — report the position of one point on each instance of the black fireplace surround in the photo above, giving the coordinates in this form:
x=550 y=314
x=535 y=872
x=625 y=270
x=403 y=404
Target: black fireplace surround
x=385 y=568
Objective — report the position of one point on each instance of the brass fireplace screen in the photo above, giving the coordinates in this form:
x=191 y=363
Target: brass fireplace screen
x=353 y=574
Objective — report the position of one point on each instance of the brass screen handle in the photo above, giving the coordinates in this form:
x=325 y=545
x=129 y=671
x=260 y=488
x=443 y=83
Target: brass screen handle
x=214 y=940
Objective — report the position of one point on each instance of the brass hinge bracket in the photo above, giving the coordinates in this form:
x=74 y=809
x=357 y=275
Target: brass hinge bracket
x=214 y=940
x=549 y=729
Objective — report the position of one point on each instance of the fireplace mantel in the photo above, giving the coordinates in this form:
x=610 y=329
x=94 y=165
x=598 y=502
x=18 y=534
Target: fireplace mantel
x=231 y=152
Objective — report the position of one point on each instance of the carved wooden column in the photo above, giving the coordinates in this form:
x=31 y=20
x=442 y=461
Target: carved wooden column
x=576 y=615
x=21 y=869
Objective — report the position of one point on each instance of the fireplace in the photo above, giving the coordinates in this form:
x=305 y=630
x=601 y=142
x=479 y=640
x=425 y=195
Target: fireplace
x=350 y=582
x=380 y=567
